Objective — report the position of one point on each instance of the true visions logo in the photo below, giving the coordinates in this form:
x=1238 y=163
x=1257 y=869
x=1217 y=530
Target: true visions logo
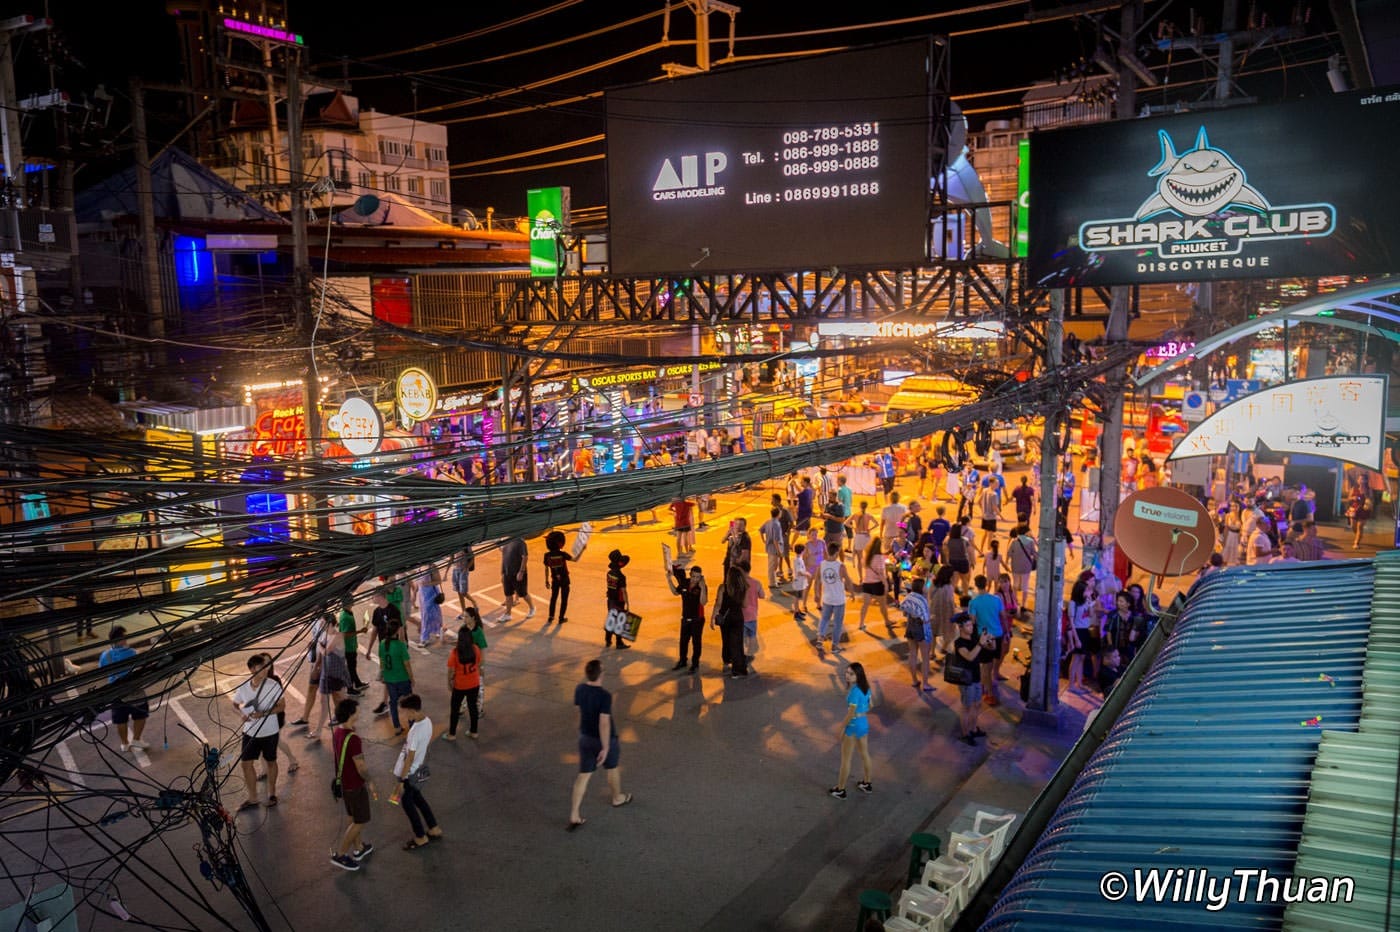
x=672 y=186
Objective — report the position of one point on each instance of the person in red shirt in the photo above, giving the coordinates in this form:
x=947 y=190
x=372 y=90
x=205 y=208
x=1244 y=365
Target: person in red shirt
x=464 y=680
x=356 y=787
x=683 y=511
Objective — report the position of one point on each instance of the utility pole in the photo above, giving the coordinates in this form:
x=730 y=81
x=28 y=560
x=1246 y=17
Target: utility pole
x=702 y=10
x=11 y=137
x=1044 y=700
x=301 y=258
x=1111 y=442
x=146 y=207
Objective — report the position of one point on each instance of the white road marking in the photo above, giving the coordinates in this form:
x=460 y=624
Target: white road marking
x=187 y=720
x=70 y=763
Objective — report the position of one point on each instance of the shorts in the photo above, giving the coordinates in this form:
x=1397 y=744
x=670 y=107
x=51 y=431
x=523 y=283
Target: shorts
x=873 y=588
x=122 y=712
x=914 y=630
x=265 y=746
x=971 y=695
x=887 y=483
x=923 y=471
x=989 y=524
x=682 y=530
x=333 y=684
x=459 y=580
x=588 y=749
x=961 y=567
x=804 y=524
x=357 y=805
x=513 y=586
x=1088 y=643
x=858 y=728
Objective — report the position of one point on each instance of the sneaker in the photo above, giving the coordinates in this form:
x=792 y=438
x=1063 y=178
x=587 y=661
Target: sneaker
x=680 y=665
x=562 y=620
x=300 y=721
x=365 y=851
x=125 y=748
x=621 y=645
x=836 y=793
x=345 y=862
x=865 y=787
x=138 y=743
x=381 y=709
x=549 y=620
x=695 y=668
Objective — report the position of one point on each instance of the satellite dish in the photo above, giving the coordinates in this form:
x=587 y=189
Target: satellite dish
x=366 y=205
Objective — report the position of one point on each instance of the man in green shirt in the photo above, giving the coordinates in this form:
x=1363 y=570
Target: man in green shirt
x=348 y=631
x=396 y=670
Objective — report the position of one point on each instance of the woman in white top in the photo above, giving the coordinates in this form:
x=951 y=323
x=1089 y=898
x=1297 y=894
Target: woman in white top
x=872 y=581
x=411 y=769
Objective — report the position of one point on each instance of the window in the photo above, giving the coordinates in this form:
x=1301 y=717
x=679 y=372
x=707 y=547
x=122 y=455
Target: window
x=408 y=149
x=438 y=187
x=415 y=185
x=390 y=148
x=393 y=182
x=437 y=154
x=366 y=179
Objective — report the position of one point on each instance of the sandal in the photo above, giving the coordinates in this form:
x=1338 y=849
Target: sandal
x=271 y=801
x=414 y=844
x=626 y=798
x=575 y=826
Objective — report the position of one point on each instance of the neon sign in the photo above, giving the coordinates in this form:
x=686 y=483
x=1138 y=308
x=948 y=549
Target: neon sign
x=280 y=432
x=1171 y=349
x=263 y=32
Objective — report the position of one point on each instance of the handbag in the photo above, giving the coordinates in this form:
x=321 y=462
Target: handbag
x=439 y=598
x=419 y=776
x=955 y=670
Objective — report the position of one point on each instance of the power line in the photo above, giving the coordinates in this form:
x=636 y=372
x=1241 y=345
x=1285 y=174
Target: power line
x=476 y=33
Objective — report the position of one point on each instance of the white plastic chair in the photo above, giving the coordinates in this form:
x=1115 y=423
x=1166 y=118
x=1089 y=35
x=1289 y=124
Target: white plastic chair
x=900 y=924
x=949 y=878
x=926 y=907
x=1000 y=826
x=973 y=850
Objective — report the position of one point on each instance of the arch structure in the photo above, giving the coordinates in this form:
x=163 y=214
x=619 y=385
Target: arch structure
x=1372 y=308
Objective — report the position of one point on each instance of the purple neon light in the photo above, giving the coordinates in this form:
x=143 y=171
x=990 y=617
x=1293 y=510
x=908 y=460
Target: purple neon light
x=266 y=32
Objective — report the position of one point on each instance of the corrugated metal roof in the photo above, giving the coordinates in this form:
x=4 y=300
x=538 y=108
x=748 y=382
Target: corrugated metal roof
x=1208 y=767
x=1350 y=825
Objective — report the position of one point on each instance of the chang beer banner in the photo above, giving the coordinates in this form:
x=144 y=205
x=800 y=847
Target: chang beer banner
x=1247 y=192
x=548 y=209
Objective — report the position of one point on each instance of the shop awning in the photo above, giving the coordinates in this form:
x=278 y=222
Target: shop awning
x=188 y=418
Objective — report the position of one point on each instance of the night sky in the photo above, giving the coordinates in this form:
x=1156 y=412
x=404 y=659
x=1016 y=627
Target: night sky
x=104 y=42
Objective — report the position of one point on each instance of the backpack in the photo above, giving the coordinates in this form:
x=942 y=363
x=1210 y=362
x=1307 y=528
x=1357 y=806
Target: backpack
x=785 y=521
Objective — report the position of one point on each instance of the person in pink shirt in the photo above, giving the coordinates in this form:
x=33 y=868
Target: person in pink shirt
x=751 y=597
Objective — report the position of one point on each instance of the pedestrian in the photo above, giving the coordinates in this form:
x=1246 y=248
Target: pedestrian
x=727 y=614
x=942 y=606
x=1359 y=510
x=350 y=641
x=890 y=518
x=958 y=554
x=1124 y=629
x=428 y=585
x=801 y=581
x=694 y=594
x=855 y=730
x=1024 y=497
x=385 y=615
x=835 y=582
x=988 y=508
x=597 y=741
x=335 y=675
x=462 y=567
x=411 y=770
x=991 y=619
x=918 y=632
x=914 y=522
x=356 y=787
x=396 y=670
x=834 y=523
x=1022 y=555
x=683 y=515
x=131 y=707
x=738 y=544
x=556 y=575
x=873 y=576
x=515 y=581
x=969 y=651
x=1110 y=668
x=991 y=560
x=748 y=642
x=938 y=530
x=313 y=669
x=258 y=701
x=785 y=522
x=616 y=595
x=1083 y=614
x=885 y=470
x=464 y=682
x=805 y=497
x=862 y=529
x=774 y=547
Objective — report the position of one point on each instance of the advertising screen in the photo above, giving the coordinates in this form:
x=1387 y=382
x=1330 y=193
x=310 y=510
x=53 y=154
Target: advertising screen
x=1292 y=189
x=813 y=163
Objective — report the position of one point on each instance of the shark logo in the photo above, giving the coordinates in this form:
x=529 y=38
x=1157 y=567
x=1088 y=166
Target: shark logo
x=1204 y=216
x=1199 y=182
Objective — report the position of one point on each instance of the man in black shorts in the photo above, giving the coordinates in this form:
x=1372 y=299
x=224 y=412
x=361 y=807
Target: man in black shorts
x=258 y=701
x=514 y=581
x=130 y=708
x=597 y=741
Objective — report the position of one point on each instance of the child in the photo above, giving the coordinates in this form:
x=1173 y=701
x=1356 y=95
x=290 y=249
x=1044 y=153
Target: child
x=991 y=563
x=478 y=638
x=801 y=582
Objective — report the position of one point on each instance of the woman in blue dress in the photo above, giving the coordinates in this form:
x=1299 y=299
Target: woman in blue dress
x=855 y=730
x=430 y=599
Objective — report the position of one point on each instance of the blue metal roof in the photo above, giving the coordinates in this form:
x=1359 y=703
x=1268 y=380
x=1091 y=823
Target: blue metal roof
x=1209 y=766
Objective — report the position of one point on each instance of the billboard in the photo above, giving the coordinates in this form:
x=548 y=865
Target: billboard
x=813 y=163
x=548 y=210
x=1250 y=192
x=1339 y=416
